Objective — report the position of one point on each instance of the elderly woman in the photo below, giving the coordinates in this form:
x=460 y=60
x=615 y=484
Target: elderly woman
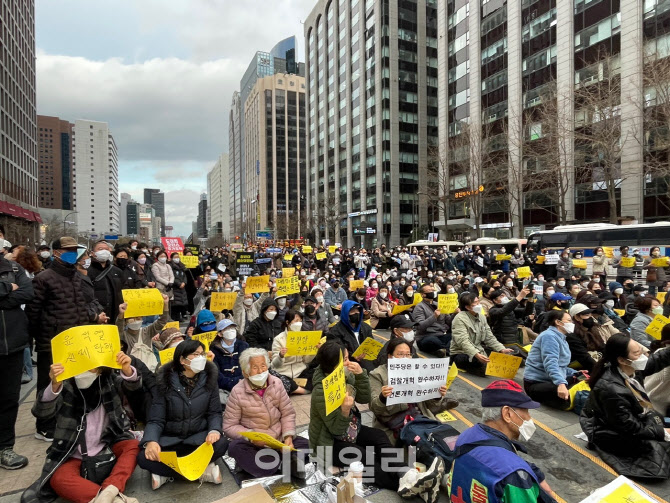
x=293 y=367
x=185 y=413
x=259 y=403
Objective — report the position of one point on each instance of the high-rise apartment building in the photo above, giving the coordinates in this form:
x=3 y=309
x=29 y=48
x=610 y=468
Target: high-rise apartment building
x=372 y=121
x=123 y=213
x=275 y=154
x=95 y=177
x=132 y=219
x=218 y=199
x=55 y=162
x=156 y=199
x=235 y=165
x=201 y=223
x=18 y=126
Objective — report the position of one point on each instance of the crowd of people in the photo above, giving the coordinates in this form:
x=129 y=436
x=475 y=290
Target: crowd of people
x=567 y=326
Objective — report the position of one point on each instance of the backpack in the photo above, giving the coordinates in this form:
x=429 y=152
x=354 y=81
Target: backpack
x=431 y=437
x=144 y=353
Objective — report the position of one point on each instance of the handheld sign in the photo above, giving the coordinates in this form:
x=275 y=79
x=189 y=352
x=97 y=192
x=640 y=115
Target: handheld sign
x=322 y=256
x=206 y=338
x=661 y=296
x=447 y=303
x=503 y=365
x=171 y=324
x=143 y=302
x=288 y=286
x=355 y=285
x=660 y=262
x=579 y=263
x=84 y=348
x=257 y=284
x=445 y=417
x=189 y=261
x=331 y=249
x=288 y=257
x=453 y=373
x=167 y=355
x=627 y=261
x=222 y=301
x=655 y=327
x=524 y=272
x=269 y=441
x=287 y=272
x=302 y=343
x=370 y=347
x=609 y=252
x=401 y=309
x=190 y=467
x=500 y=258
x=334 y=388
x=306 y=249
x=540 y=259
x=172 y=245
x=416 y=380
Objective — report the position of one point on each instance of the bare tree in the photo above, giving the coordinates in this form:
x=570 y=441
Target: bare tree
x=328 y=214
x=54 y=228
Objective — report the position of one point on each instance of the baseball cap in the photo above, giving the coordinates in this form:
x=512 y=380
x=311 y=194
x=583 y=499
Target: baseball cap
x=507 y=392
x=580 y=309
x=560 y=296
x=401 y=321
x=223 y=324
x=63 y=243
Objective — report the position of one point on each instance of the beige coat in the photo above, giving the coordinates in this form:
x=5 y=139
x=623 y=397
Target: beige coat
x=164 y=276
x=379 y=310
x=289 y=366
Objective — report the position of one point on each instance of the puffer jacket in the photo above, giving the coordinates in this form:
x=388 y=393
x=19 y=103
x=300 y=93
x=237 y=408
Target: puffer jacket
x=260 y=333
x=504 y=322
x=638 y=329
x=88 y=291
x=178 y=419
x=658 y=389
x=246 y=410
x=289 y=366
x=107 y=288
x=179 y=297
x=58 y=304
x=564 y=267
x=13 y=321
x=230 y=372
x=164 y=278
x=628 y=438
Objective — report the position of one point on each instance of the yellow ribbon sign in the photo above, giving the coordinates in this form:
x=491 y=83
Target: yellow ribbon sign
x=660 y=262
x=257 y=284
x=355 y=285
x=167 y=355
x=524 y=272
x=627 y=261
x=190 y=261
x=322 y=256
x=401 y=309
x=500 y=258
x=579 y=263
x=447 y=303
x=655 y=327
x=142 y=302
x=287 y=272
x=206 y=338
x=453 y=373
x=302 y=343
x=307 y=249
x=288 y=257
x=269 y=441
x=288 y=286
x=331 y=249
x=503 y=365
x=171 y=324
x=334 y=388
x=190 y=467
x=84 y=348
x=222 y=300
x=370 y=348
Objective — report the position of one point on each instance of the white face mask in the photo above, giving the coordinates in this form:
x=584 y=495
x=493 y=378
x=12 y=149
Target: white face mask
x=408 y=336
x=610 y=304
x=176 y=260
x=504 y=300
x=230 y=335
x=248 y=302
x=640 y=363
x=451 y=290
x=561 y=283
x=85 y=379
x=550 y=293
x=569 y=327
x=295 y=327
x=87 y=263
x=509 y=284
x=526 y=429
x=45 y=254
x=259 y=379
x=657 y=310
x=383 y=295
x=134 y=325
x=271 y=315
x=197 y=364
x=142 y=261
x=477 y=309
x=281 y=303
x=596 y=280
x=103 y=256
x=618 y=291
x=162 y=260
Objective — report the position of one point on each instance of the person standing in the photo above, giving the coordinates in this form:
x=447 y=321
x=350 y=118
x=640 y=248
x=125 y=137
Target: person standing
x=622 y=272
x=107 y=279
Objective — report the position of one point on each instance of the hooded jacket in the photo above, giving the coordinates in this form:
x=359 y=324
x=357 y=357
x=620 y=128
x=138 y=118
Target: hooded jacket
x=230 y=372
x=345 y=333
x=261 y=332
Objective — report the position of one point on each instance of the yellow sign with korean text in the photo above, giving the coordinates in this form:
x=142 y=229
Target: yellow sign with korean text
x=370 y=347
x=167 y=355
x=190 y=261
x=84 y=348
x=222 y=300
x=447 y=303
x=322 y=256
x=206 y=338
x=503 y=365
x=257 y=284
x=500 y=258
x=660 y=262
x=355 y=285
x=288 y=257
x=579 y=263
x=171 y=324
x=331 y=249
x=655 y=327
x=288 y=286
x=609 y=252
x=190 y=467
x=627 y=261
x=625 y=493
x=540 y=259
x=661 y=296
x=334 y=388
x=445 y=417
x=401 y=309
x=142 y=302
x=453 y=373
x=269 y=441
x=287 y=272
x=524 y=272
x=306 y=249
x=303 y=343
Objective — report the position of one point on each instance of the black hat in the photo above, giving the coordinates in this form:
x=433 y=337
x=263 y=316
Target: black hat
x=401 y=321
x=495 y=294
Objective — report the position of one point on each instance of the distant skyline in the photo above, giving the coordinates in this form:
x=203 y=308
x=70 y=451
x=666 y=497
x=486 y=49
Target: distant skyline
x=162 y=74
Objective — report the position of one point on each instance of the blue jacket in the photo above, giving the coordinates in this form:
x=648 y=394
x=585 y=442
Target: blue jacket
x=549 y=358
x=230 y=372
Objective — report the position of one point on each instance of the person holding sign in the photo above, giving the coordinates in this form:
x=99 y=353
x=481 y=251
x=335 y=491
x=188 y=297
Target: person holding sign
x=94 y=452
x=350 y=331
x=227 y=348
x=506 y=315
x=293 y=366
x=259 y=403
x=648 y=307
x=600 y=264
x=381 y=309
x=432 y=334
x=655 y=266
x=402 y=327
x=472 y=338
x=138 y=338
x=179 y=304
x=618 y=417
x=246 y=309
x=624 y=265
x=185 y=413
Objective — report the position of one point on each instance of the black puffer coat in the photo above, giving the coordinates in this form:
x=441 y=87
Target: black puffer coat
x=13 y=321
x=260 y=333
x=504 y=320
x=177 y=419
x=627 y=438
x=180 y=297
x=107 y=288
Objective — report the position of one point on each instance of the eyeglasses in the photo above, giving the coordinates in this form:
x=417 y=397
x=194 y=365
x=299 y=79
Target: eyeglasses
x=403 y=355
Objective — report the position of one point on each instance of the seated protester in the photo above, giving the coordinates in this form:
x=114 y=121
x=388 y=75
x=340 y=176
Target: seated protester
x=282 y=308
x=618 y=417
x=91 y=403
x=323 y=310
x=595 y=328
x=371 y=292
x=335 y=296
x=509 y=287
x=381 y=309
x=547 y=377
x=504 y=315
x=261 y=332
x=227 y=349
x=137 y=337
x=313 y=320
x=247 y=309
x=574 y=289
x=402 y=326
x=186 y=412
x=561 y=286
x=648 y=308
x=621 y=300
x=608 y=310
x=391 y=418
x=471 y=337
x=260 y=403
x=350 y=331
x=488 y=452
x=433 y=327
x=485 y=298
x=657 y=385
x=204 y=322
x=407 y=297
x=558 y=301
x=293 y=367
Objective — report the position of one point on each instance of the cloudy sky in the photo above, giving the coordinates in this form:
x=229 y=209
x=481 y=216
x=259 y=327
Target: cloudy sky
x=162 y=74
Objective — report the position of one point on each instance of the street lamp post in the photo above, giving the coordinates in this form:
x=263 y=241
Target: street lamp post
x=65 y=221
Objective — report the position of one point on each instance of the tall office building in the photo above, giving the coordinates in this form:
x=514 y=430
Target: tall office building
x=235 y=165
x=275 y=169
x=132 y=219
x=372 y=92
x=55 y=162
x=18 y=129
x=95 y=177
x=201 y=223
x=156 y=199
x=123 y=213
x=218 y=199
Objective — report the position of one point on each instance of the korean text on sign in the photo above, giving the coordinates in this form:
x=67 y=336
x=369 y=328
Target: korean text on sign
x=190 y=261
x=503 y=365
x=143 y=302
x=334 y=388
x=206 y=338
x=257 y=284
x=172 y=245
x=287 y=272
x=370 y=348
x=222 y=301
x=524 y=272
x=288 y=286
x=415 y=380
x=302 y=343
x=447 y=303
x=656 y=325
x=355 y=285
x=84 y=348
x=321 y=256
x=191 y=467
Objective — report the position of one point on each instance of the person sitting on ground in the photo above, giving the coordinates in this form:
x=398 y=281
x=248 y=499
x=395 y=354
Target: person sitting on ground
x=293 y=367
x=391 y=418
x=487 y=453
x=334 y=297
x=247 y=309
x=407 y=297
x=313 y=321
x=658 y=384
x=261 y=332
x=323 y=310
x=648 y=307
x=504 y=315
x=381 y=309
x=259 y=403
x=591 y=324
x=91 y=403
x=547 y=377
x=186 y=412
x=227 y=348
x=402 y=326
x=619 y=419
x=137 y=337
x=472 y=339
x=433 y=334
x=350 y=331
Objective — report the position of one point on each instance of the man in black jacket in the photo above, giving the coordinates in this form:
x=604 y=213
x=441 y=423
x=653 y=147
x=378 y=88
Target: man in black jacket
x=15 y=289
x=504 y=313
x=107 y=279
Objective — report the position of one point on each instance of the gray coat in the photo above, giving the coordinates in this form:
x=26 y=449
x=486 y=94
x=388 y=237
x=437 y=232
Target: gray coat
x=427 y=323
x=625 y=272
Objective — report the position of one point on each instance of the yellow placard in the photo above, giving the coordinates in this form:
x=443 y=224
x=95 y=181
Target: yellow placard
x=417 y=298
x=620 y=312
x=661 y=296
x=206 y=338
x=288 y=286
x=447 y=303
x=167 y=355
x=524 y=272
x=331 y=249
x=539 y=259
x=627 y=261
x=625 y=494
x=334 y=388
x=269 y=441
x=257 y=284
x=288 y=257
x=370 y=347
x=142 y=302
x=222 y=300
x=500 y=258
x=655 y=327
x=660 y=262
x=190 y=261
x=172 y=324
x=302 y=343
x=84 y=348
x=494 y=276
x=609 y=252
x=445 y=417
x=527 y=348
x=580 y=386
x=306 y=249
x=451 y=376
x=190 y=467
x=401 y=309
x=503 y=365
x=579 y=263
x=287 y=272
x=322 y=256
x=355 y=285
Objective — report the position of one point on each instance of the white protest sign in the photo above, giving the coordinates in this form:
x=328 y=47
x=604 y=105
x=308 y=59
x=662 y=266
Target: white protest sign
x=416 y=380
x=538 y=290
x=551 y=259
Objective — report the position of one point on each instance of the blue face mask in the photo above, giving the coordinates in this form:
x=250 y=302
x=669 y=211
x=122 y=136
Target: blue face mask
x=69 y=257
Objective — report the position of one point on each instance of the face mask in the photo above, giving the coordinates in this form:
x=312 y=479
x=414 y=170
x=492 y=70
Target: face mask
x=145 y=250
x=45 y=254
x=295 y=327
x=569 y=327
x=430 y=295
x=271 y=315
x=322 y=284
x=69 y=257
x=640 y=363
x=319 y=299
x=175 y=260
x=259 y=379
x=597 y=280
x=354 y=319
x=163 y=260
x=540 y=279
x=142 y=260
x=561 y=283
x=383 y=295
x=588 y=323
x=373 y=286
x=281 y=303
x=408 y=336
x=477 y=309
x=310 y=310
x=122 y=262
x=248 y=302
x=504 y=300
x=509 y=284
x=610 y=304
x=101 y=256
x=197 y=364
x=451 y=290
x=403 y=283
x=618 y=291
x=230 y=334
x=550 y=293
x=85 y=380
x=657 y=310
x=134 y=325
x=134 y=247
x=656 y=254
x=87 y=263
x=526 y=429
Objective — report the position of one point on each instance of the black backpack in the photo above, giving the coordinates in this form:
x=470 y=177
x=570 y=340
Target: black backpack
x=431 y=437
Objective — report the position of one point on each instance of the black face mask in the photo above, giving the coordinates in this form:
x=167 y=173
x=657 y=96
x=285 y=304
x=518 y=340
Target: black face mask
x=336 y=286
x=122 y=263
x=303 y=294
x=310 y=310
x=588 y=323
x=354 y=319
x=430 y=296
